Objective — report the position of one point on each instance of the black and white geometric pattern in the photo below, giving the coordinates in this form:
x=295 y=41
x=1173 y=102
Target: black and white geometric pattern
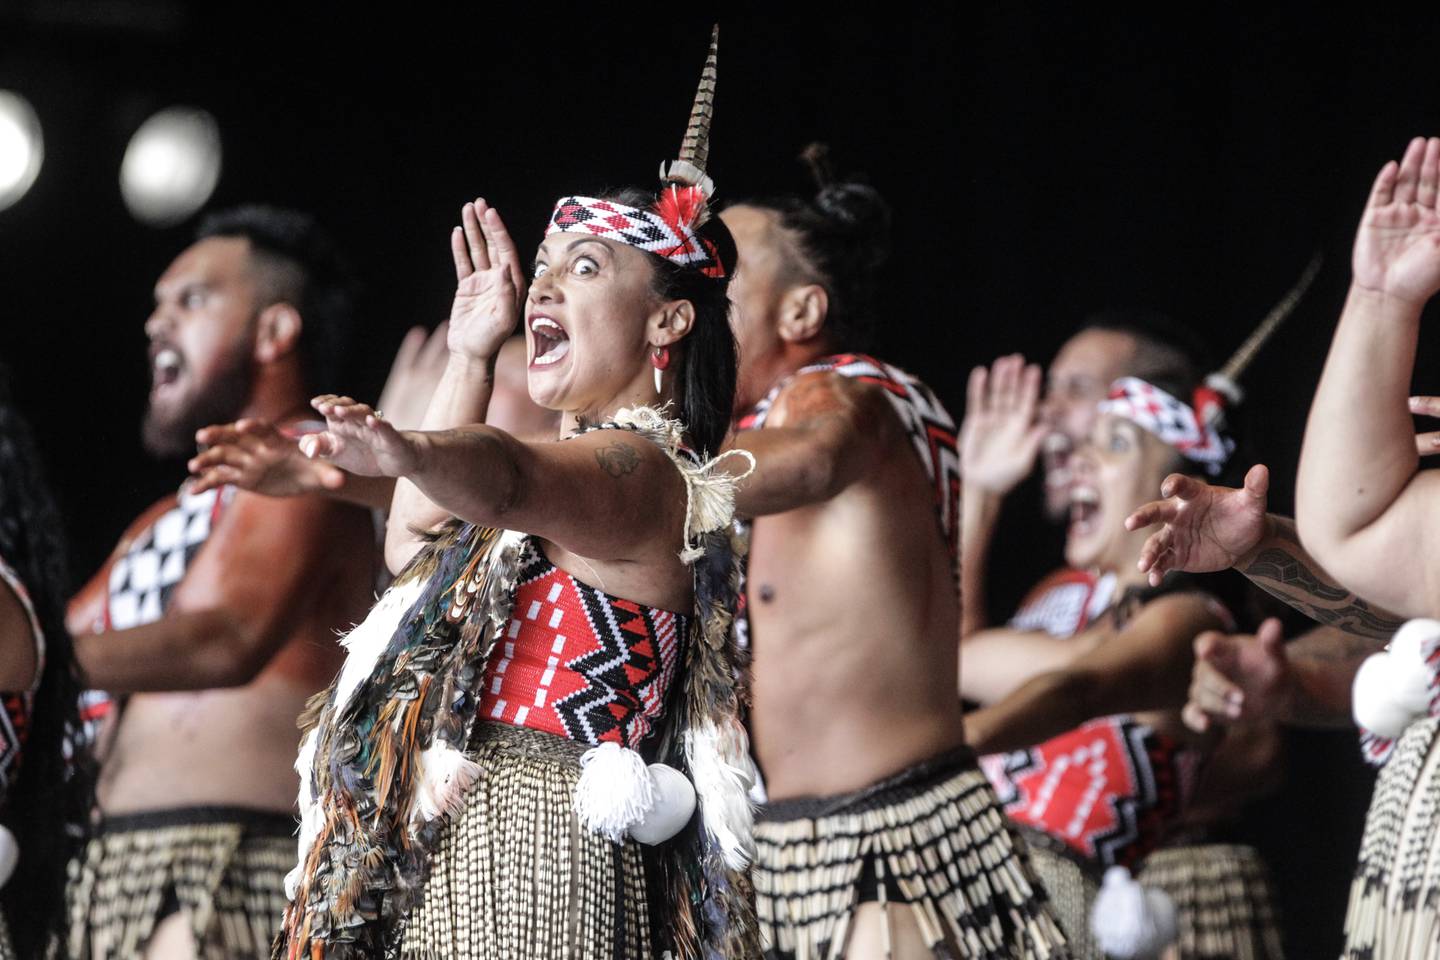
x=1176 y=423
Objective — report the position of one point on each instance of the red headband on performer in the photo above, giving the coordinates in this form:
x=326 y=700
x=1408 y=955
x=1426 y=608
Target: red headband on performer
x=670 y=228
x=1190 y=430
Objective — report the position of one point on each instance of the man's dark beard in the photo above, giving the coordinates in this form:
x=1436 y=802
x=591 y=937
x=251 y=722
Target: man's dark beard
x=221 y=402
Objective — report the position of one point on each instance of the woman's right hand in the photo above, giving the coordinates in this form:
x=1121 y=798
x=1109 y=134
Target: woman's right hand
x=489 y=283
x=1000 y=436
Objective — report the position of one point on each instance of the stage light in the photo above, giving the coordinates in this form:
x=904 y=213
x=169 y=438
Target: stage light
x=21 y=147
x=171 y=166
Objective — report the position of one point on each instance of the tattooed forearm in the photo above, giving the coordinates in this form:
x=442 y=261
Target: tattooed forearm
x=1286 y=576
x=617 y=459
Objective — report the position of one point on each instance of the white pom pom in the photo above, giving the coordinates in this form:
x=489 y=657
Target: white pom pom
x=674 y=804
x=445 y=775
x=615 y=791
x=1131 y=922
x=9 y=855
x=1390 y=692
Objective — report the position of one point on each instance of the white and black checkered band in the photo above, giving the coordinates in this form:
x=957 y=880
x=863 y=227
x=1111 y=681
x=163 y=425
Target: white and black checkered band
x=1173 y=421
x=635 y=227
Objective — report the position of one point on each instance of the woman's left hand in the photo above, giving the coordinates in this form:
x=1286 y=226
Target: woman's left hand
x=359 y=439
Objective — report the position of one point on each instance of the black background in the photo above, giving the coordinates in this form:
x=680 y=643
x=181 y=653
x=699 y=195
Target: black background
x=1044 y=162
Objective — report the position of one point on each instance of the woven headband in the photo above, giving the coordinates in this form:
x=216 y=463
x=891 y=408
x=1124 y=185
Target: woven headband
x=1190 y=430
x=667 y=231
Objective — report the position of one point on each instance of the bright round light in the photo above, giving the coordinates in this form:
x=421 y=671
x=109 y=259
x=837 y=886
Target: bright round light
x=171 y=165
x=22 y=148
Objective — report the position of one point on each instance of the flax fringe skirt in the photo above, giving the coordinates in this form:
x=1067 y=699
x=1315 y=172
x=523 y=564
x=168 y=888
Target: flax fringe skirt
x=515 y=874
x=931 y=840
x=1394 y=907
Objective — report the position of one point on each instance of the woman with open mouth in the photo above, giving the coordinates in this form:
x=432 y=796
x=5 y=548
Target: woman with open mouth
x=534 y=746
x=1081 y=695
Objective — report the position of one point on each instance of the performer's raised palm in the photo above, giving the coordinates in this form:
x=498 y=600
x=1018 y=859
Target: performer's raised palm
x=1204 y=528
x=489 y=283
x=359 y=439
x=1000 y=436
x=1397 y=248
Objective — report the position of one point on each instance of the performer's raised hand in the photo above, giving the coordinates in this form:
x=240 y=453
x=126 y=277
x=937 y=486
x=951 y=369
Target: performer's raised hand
x=1239 y=677
x=1204 y=528
x=489 y=283
x=1000 y=436
x=1397 y=248
x=359 y=439
x=413 y=376
x=252 y=455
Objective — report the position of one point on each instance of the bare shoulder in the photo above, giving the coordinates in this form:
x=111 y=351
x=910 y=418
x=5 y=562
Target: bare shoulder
x=822 y=397
x=17 y=642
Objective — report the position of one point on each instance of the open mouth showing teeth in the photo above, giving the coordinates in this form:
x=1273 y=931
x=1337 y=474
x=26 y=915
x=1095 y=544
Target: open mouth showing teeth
x=552 y=343
x=1084 y=509
x=165 y=366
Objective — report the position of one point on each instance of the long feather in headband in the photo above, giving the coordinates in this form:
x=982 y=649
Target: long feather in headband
x=685 y=185
x=1226 y=381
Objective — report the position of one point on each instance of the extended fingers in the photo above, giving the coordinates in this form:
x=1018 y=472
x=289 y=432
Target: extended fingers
x=219 y=433
x=1407 y=181
x=1180 y=486
x=470 y=216
x=1383 y=192
x=502 y=247
x=1029 y=395
x=460 y=253
x=1427 y=444
x=1153 y=552
x=213 y=479
x=322 y=444
x=1257 y=481
x=1156 y=511
x=975 y=392
x=1429 y=173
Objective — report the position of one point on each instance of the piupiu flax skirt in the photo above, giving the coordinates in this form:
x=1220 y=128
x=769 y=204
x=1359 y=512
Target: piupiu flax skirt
x=1394 y=907
x=931 y=840
x=223 y=868
x=1224 y=908
x=515 y=874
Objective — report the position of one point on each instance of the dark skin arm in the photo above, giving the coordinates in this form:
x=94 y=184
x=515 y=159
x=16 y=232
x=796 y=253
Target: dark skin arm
x=17 y=644
x=233 y=611
x=823 y=433
x=1146 y=666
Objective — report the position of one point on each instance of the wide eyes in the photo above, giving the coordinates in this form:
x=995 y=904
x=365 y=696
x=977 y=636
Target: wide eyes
x=582 y=267
x=1119 y=442
x=193 y=299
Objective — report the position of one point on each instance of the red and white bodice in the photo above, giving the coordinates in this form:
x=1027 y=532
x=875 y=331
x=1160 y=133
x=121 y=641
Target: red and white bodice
x=579 y=663
x=1110 y=789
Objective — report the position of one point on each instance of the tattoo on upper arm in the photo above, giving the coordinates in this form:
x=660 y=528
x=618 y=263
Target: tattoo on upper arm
x=1301 y=588
x=811 y=401
x=618 y=459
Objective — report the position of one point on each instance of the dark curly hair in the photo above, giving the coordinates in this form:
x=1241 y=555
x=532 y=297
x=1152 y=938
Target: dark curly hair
x=301 y=266
x=839 y=238
x=709 y=361
x=47 y=803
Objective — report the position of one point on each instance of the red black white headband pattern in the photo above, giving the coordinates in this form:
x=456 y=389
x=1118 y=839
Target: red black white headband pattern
x=1190 y=430
x=667 y=231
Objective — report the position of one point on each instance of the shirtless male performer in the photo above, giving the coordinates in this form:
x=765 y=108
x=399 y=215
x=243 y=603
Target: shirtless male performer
x=873 y=800
x=214 y=619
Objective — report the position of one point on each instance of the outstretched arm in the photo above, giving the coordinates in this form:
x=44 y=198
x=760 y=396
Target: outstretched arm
x=253 y=455
x=1145 y=666
x=1363 y=508
x=999 y=441
x=823 y=433
x=606 y=495
x=1239 y=678
x=1206 y=528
